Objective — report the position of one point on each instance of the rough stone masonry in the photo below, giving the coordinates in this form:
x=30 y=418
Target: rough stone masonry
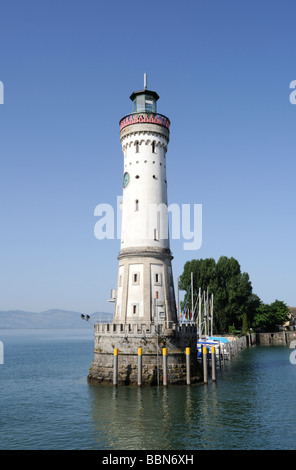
x=128 y=338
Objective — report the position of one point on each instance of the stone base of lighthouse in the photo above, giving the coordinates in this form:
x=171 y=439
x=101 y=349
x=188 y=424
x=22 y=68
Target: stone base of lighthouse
x=127 y=338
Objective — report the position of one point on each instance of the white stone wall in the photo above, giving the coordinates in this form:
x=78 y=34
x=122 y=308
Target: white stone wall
x=157 y=290
x=146 y=190
x=145 y=257
x=119 y=293
x=135 y=303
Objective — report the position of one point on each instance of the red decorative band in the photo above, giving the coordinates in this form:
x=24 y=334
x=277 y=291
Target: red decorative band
x=144 y=117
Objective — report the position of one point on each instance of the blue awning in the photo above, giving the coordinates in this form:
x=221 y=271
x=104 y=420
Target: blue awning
x=219 y=338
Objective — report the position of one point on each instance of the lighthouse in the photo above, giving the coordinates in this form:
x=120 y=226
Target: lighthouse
x=145 y=288
x=145 y=325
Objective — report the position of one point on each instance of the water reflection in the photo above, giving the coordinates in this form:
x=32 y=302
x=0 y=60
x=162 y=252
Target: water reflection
x=242 y=410
x=147 y=418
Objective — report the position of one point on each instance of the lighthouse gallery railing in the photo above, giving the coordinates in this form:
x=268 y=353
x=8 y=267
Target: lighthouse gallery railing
x=144 y=117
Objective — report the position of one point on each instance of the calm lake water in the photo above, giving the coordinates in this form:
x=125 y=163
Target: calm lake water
x=47 y=403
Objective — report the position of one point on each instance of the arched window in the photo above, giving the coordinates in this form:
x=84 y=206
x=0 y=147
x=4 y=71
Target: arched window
x=153 y=147
x=137 y=146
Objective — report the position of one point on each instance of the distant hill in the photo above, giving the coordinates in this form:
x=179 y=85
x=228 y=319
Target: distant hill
x=54 y=318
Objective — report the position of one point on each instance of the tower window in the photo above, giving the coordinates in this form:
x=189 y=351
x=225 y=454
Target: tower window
x=137 y=176
x=153 y=147
x=135 y=309
x=137 y=146
x=137 y=205
x=136 y=279
x=157 y=279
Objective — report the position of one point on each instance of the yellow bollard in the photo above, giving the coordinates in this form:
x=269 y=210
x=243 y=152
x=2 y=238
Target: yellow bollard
x=115 y=368
x=205 y=366
x=139 y=367
x=188 y=378
x=213 y=363
x=165 y=366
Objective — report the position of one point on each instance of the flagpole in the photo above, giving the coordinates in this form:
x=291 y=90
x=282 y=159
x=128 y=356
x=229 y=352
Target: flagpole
x=208 y=326
x=212 y=314
x=205 y=312
x=178 y=300
x=199 y=313
x=192 y=296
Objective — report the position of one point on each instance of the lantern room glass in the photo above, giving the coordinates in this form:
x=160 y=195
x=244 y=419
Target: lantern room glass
x=144 y=102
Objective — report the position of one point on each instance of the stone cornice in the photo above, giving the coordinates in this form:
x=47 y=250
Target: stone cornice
x=144 y=128
x=147 y=252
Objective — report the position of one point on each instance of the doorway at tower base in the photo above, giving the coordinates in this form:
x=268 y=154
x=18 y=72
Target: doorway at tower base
x=127 y=338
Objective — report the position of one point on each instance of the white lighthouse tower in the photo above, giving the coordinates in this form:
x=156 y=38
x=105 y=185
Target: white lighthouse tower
x=145 y=289
x=145 y=324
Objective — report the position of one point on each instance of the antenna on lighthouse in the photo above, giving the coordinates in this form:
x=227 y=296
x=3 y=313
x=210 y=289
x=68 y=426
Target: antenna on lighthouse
x=145 y=81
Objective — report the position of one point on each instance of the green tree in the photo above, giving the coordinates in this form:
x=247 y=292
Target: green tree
x=252 y=305
x=271 y=316
x=234 y=302
x=203 y=273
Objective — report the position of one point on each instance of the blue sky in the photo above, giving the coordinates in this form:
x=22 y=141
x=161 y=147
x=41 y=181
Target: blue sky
x=222 y=70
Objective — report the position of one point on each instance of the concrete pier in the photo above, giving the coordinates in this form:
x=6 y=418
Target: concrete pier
x=127 y=338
